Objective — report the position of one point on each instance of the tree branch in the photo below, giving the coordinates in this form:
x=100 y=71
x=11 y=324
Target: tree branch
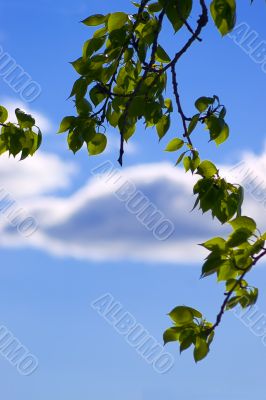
x=229 y=294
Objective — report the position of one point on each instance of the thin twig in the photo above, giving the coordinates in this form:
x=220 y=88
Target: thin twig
x=178 y=103
x=202 y=22
x=229 y=294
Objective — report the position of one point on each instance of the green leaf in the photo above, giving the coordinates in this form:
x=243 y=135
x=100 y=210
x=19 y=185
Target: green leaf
x=187 y=163
x=186 y=343
x=238 y=237
x=171 y=335
x=257 y=246
x=100 y=32
x=79 y=88
x=186 y=338
x=66 y=124
x=223 y=135
x=211 y=265
x=240 y=200
x=113 y=117
x=222 y=113
x=148 y=33
x=180 y=158
x=210 y=338
x=195 y=313
x=193 y=123
x=87 y=129
x=174 y=144
x=161 y=55
x=194 y=162
x=201 y=349
x=83 y=106
x=243 y=222
x=215 y=126
x=232 y=302
x=3 y=145
x=128 y=55
x=97 y=145
x=137 y=106
x=203 y=103
x=3 y=114
x=224 y=15
x=38 y=139
x=80 y=66
x=154 y=7
x=181 y=315
x=129 y=131
x=232 y=283
x=226 y=271
x=91 y=46
x=96 y=95
x=24 y=120
x=94 y=20
x=219 y=130
x=215 y=244
x=253 y=296
x=75 y=140
x=163 y=126
x=207 y=169
x=127 y=127
x=137 y=5
x=116 y=21
x=168 y=104
x=177 y=12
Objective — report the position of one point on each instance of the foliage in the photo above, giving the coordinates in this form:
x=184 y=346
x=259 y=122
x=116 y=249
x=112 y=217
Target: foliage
x=123 y=74
x=20 y=137
x=124 y=69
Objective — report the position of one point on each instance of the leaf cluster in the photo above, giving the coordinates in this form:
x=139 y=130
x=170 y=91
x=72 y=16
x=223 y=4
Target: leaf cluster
x=23 y=137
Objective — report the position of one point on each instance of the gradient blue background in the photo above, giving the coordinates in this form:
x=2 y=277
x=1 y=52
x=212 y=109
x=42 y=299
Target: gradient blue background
x=46 y=300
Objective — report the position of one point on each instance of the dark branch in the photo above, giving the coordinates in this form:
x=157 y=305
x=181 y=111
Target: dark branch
x=202 y=22
x=178 y=103
x=230 y=293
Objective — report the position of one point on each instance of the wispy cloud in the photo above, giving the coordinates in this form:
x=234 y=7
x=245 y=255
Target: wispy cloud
x=92 y=224
x=43 y=173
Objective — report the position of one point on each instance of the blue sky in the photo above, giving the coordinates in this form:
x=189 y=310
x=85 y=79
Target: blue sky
x=88 y=244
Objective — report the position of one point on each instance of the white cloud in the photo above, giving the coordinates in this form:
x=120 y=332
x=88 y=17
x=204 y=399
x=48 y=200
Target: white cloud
x=92 y=223
x=42 y=173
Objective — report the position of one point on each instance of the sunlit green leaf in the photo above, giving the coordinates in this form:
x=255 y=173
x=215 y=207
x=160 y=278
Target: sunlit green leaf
x=94 y=20
x=201 y=349
x=3 y=114
x=181 y=315
x=175 y=144
x=117 y=21
x=207 y=169
x=97 y=145
x=224 y=15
